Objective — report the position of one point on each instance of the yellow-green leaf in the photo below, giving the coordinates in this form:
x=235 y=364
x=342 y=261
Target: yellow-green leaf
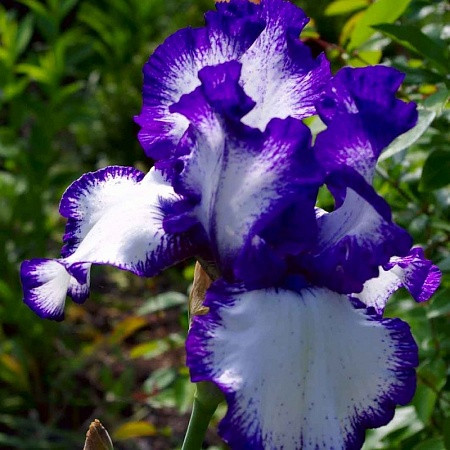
x=365 y=58
x=414 y=39
x=131 y=430
x=344 y=7
x=149 y=349
x=382 y=11
x=126 y=328
x=349 y=26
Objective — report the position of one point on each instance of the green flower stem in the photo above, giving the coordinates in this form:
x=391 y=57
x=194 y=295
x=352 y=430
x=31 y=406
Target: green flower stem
x=206 y=400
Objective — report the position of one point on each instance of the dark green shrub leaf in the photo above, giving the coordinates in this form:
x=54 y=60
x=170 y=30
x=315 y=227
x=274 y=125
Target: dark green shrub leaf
x=436 y=171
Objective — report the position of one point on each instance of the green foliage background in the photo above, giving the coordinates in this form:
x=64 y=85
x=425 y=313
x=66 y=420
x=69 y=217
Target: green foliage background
x=70 y=84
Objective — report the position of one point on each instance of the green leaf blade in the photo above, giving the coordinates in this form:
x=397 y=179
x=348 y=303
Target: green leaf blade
x=382 y=11
x=436 y=171
x=414 y=39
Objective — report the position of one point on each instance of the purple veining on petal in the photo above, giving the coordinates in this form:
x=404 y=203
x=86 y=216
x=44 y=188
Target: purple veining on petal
x=246 y=345
x=279 y=72
x=79 y=292
x=418 y=274
x=354 y=240
x=110 y=203
x=173 y=68
x=242 y=179
x=363 y=116
x=115 y=216
x=72 y=209
x=413 y=272
x=45 y=283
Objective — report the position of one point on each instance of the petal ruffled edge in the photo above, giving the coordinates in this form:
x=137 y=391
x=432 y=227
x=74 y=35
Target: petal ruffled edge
x=363 y=115
x=354 y=239
x=242 y=180
x=266 y=350
x=115 y=216
x=414 y=272
x=256 y=35
x=172 y=71
x=279 y=72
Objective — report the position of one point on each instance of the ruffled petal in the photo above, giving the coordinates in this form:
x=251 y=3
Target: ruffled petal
x=363 y=116
x=242 y=178
x=354 y=240
x=45 y=283
x=414 y=272
x=279 y=73
x=173 y=68
x=79 y=292
x=300 y=369
x=115 y=216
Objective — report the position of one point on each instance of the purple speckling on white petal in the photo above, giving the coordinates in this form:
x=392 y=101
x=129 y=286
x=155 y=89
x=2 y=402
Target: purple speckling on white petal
x=300 y=369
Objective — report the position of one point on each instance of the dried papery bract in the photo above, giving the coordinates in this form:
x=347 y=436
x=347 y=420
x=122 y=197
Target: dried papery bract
x=197 y=296
x=97 y=438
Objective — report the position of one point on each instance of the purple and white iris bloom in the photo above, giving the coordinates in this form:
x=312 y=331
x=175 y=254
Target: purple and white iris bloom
x=295 y=335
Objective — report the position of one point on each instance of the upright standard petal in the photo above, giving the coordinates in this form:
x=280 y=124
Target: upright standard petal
x=414 y=272
x=353 y=240
x=279 y=72
x=114 y=217
x=363 y=116
x=172 y=71
x=300 y=370
x=242 y=178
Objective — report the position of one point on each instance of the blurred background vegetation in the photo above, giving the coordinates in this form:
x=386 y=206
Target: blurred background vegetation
x=70 y=84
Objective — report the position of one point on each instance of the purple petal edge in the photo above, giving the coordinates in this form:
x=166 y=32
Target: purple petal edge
x=419 y=275
x=30 y=281
x=197 y=355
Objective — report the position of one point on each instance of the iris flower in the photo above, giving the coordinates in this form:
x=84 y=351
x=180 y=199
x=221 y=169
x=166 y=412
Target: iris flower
x=295 y=336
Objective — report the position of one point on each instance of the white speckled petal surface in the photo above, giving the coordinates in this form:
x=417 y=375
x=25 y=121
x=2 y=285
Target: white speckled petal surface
x=414 y=272
x=115 y=216
x=300 y=370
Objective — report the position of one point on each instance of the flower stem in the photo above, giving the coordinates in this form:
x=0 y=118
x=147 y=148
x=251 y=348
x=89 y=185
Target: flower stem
x=198 y=424
x=206 y=400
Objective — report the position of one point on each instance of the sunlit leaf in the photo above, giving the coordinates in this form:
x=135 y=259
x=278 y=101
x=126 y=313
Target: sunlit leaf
x=24 y=33
x=365 y=58
x=437 y=102
x=414 y=39
x=149 y=349
x=35 y=72
x=344 y=6
x=349 y=26
x=382 y=11
x=126 y=328
x=132 y=430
